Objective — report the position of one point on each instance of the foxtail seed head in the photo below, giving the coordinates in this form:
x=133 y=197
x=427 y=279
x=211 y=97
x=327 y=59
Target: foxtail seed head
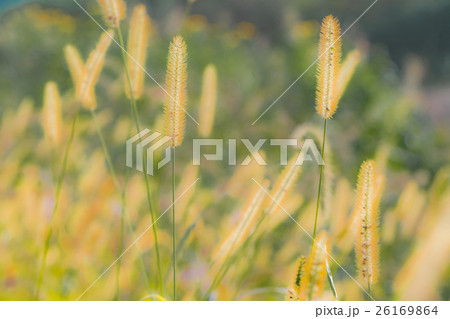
x=137 y=49
x=92 y=71
x=176 y=81
x=295 y=291
x=52 y=113
x=113 y=11
x=76 y=66
x=328 y=67
x=208 y=100
x=368 y=195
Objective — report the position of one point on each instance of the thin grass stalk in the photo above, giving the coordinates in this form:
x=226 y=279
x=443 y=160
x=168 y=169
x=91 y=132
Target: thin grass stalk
x=320 y=183
x=119 y=262
x=147 y=184
x=124 y=212
x=326 y=94
x=176 y=78
x=55 y=207
x=174 y=246
x=122 y=222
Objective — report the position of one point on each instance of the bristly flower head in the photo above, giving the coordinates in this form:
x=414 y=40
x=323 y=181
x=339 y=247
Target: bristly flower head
x=76 y=66
x=113 y=11
x=176 y=81
x=294 y=293
x=137 y=49
x=92 y=70
x=52 y=113
x=368 y=196
x=328 y=67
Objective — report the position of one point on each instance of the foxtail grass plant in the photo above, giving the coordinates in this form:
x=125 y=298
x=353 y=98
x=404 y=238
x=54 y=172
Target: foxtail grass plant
x=368 y=193
x=78 y=74
x=326 y=93
x=175 y=117
x=58 y=188
x=138 y=43
x=52 y=119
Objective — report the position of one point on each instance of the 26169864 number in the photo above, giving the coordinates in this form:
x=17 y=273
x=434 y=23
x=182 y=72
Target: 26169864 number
x=406 y=310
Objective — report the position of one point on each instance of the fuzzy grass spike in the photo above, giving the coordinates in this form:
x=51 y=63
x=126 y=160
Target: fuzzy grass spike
x=328 y=67
x=137 y=48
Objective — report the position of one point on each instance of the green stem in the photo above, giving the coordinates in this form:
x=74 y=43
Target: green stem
x=122 y=215
x=122 y=192
x=173 y=228
x=320 y=184
x=55 y=207
x=119 y=263
x=147 y=185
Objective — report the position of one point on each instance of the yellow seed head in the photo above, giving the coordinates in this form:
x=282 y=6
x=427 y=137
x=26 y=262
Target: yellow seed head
x=208 y=100
x=176 y=81
x=316 y=269
x=76 y=66
x=283 y=185
x=346 y=71
x=295 y=291
x=113 y=11
x=92 y=71
x=52 y=113
x=137 y=49
x=368 y=195
x=328 y=67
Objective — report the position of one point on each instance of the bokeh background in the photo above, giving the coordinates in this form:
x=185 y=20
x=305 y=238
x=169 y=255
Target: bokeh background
x=396 y=109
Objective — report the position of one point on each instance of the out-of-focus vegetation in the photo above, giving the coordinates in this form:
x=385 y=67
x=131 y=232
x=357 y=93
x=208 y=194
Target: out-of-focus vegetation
x=386 y=113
